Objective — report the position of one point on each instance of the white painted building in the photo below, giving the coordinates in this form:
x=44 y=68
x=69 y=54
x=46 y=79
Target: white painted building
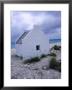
x=33 y=43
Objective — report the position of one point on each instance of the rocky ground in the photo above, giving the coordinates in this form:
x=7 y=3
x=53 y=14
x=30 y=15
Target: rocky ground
x=38 y=70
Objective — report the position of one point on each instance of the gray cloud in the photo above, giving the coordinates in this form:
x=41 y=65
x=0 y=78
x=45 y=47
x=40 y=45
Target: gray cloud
x=50 y=22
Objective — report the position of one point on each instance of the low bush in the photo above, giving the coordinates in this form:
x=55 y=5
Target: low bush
x=32 y=60
x=57 y=47
x=55 y=65
x=52 y=54
x=43 y=55
x=16 y=56
x=21 y=57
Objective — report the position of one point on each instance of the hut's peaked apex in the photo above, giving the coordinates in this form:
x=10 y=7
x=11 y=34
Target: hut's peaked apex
x=19 y=41
x=37 y=27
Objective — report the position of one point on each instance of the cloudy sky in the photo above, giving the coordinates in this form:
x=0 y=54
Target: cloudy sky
x=50 y=22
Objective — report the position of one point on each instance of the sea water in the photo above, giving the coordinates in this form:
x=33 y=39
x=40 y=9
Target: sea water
x=54 y=40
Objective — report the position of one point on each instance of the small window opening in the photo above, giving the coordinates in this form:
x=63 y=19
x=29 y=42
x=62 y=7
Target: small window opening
x=37 y=47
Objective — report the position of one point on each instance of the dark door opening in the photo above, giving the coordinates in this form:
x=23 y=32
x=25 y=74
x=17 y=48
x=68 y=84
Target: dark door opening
x=37 y=47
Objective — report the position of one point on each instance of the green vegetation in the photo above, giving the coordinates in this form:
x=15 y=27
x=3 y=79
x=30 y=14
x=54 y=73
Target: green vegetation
x=57 y=47
x=52 y=54
x=16 y=56
x=43 y=55
x=32 y=60
x=55 y=65
x=19 y=56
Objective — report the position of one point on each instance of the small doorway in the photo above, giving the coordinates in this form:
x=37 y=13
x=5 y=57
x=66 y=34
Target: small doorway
x=37 y=47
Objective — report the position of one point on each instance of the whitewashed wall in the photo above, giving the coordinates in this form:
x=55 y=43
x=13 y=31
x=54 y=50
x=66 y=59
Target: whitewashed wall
x=28 y=48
